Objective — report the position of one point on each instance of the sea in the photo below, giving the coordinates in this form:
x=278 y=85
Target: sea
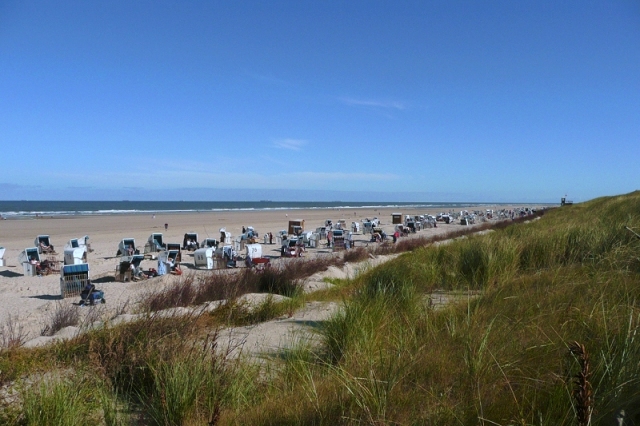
x=29 y=209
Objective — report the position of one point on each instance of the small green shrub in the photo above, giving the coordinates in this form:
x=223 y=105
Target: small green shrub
x=57 y=402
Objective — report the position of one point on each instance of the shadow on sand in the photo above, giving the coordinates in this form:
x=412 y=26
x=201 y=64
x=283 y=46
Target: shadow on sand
x=102 y=280
x=47 y=297
x=10 y=274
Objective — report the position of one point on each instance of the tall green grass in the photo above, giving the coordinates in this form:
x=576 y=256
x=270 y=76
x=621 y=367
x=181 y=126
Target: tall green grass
x=503 y=358
x=387 y=358
x=57 y=402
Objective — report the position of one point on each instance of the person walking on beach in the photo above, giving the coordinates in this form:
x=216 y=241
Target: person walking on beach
x=166 y=226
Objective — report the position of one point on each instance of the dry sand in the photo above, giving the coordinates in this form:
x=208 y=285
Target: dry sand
x=30 y=301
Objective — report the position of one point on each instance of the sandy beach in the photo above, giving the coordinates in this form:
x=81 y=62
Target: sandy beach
x=31 y=300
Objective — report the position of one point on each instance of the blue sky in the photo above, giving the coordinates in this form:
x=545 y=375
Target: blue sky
x=335 y=100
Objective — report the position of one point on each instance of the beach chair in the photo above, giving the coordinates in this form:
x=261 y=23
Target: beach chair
x=44 y=245
x=73 y=279
x=127 y=247
x=29 y=258
x=75 y=252
x=190 y=241
x=210 y=243
x=154 y=244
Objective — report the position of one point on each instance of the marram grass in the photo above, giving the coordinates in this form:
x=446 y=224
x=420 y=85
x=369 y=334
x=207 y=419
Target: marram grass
x=502 y=357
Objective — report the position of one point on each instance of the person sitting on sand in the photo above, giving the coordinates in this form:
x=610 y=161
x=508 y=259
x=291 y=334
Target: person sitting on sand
x=34 y=262
x=45 y=248
x=137 y=273
x=43 y=268
x=87 y=290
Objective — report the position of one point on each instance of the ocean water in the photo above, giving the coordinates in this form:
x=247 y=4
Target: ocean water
x=25 y=209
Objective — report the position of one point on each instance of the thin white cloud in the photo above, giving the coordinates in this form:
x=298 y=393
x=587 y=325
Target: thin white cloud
x=290 y=144
x=343 y=177
x=373 y=103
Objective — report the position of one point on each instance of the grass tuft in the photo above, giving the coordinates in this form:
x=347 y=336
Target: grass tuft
x=63 y=316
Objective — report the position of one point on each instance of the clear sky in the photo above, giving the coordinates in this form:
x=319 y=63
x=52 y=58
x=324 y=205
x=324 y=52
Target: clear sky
x=493 y=101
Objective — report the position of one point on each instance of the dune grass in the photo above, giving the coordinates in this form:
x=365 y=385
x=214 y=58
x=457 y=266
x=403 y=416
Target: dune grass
x=549 y=338
x=503 y=358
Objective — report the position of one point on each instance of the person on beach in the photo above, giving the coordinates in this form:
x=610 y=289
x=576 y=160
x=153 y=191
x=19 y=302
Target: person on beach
x=299 y=247
x=166 y=226
x=137 y=273
x=35 y=263
x=43 y=268
x=45 y=248
x=162 y=269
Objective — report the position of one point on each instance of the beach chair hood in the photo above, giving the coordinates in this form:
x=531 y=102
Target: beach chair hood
x=28 y=255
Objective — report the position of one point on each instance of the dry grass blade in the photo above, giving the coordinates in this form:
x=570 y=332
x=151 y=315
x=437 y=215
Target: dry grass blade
x=582 y=392
x=12 y=334
x=63 y=316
